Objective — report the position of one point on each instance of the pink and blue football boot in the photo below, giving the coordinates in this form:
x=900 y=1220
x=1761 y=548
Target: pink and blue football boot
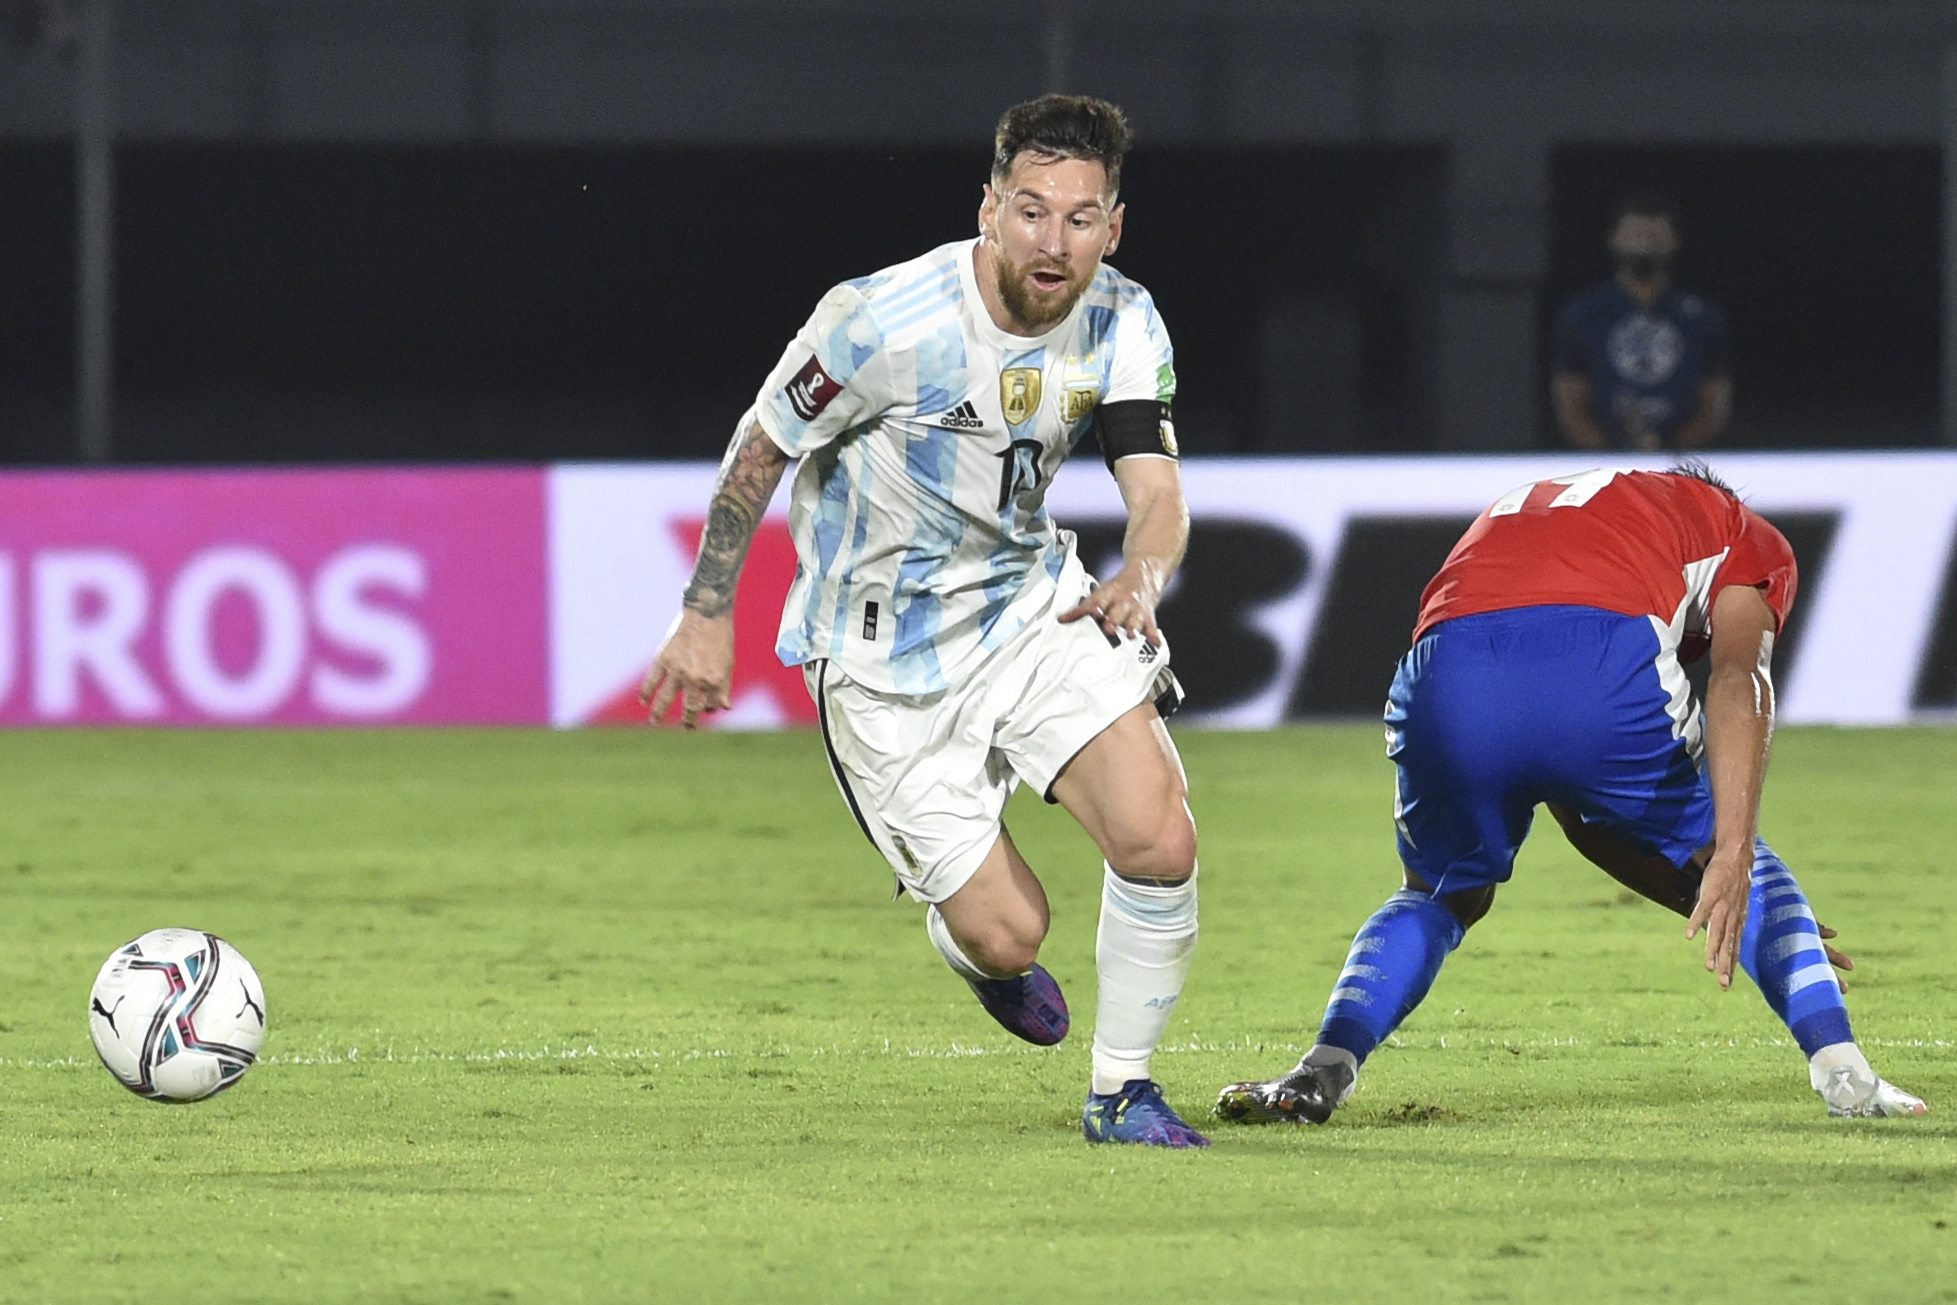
x=1136 y=1114
x=1027 y=1005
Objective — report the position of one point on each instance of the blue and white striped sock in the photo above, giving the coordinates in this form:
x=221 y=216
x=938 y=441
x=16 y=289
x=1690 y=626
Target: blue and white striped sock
x=1392 y=963
x=1781 y=950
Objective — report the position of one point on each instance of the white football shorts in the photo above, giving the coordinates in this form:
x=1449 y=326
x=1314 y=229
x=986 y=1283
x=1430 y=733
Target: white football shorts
x=927 y=775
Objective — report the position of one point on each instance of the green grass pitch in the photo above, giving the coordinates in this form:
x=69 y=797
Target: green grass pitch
x=629 y=1015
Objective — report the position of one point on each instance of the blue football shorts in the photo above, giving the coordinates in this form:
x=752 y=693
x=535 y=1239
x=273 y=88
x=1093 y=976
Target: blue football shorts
x=1493 y=713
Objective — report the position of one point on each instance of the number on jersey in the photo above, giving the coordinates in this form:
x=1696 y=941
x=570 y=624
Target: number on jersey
x=1581 y=489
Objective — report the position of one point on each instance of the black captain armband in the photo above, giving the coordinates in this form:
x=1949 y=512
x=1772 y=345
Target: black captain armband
x=1134 y=426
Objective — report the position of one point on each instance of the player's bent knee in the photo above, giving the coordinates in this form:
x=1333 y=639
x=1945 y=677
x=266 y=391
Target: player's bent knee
x=1466 y=906
x=1007 y=942
x=1004 y=950
x=1166 y=852
x=1470 y=905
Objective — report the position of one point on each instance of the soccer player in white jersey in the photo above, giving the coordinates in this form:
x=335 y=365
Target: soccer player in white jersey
x=952 y=642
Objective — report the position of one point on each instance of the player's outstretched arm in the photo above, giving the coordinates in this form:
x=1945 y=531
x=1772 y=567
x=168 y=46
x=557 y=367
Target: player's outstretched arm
x=1739 y=734
x=1158 y=531
x=696 y=663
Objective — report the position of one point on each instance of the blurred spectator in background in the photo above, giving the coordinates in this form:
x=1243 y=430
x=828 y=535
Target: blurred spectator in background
x=1639 y=364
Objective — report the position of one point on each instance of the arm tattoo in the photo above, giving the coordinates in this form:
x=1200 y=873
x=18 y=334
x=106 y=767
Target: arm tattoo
x=747 y=481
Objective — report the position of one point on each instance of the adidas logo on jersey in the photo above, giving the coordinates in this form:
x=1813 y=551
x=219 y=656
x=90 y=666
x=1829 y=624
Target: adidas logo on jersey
x=963 y=417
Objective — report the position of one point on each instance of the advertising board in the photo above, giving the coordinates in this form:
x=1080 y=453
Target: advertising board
x=539 y=595
x=272 y=597
x=1303 y=576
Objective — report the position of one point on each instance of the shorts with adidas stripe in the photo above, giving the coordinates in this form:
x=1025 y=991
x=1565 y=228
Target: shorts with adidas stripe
x=927 y=775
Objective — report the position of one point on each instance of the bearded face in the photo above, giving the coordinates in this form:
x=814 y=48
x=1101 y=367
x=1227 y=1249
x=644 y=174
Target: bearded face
x=1042 y=292
x=1046 y=227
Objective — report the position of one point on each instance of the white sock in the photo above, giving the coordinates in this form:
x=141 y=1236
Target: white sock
x=955 y=957
x=1830 y=1058
x=1142 y=954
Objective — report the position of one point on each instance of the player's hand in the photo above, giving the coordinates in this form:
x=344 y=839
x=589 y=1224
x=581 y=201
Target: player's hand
x=1839 y=960
x=1721 y=910
x=694 y=665
x=1123 y=607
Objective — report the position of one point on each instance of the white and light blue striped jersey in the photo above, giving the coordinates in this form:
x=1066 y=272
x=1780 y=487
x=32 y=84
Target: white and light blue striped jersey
x=928 y=437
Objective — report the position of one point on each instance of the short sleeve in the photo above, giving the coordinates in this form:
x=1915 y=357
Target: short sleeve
x=833 y=376
x=1144 y=365
x=1760 y=558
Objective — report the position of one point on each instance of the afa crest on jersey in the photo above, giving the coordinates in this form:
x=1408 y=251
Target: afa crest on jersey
x=1081 y=375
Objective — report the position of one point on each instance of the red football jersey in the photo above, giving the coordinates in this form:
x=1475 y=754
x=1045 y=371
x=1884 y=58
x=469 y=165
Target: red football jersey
x=1642 y=543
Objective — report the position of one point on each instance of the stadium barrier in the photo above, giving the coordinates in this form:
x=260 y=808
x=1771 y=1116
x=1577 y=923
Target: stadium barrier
x=537 y=595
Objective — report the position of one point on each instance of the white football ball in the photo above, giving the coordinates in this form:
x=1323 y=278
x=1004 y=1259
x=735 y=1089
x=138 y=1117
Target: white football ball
x=177 y=1015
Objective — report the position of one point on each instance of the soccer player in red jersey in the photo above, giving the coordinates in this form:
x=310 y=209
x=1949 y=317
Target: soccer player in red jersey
x=1547 y=666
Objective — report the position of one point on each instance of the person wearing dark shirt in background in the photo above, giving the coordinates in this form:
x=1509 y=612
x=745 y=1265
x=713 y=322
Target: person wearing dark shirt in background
x=1640 y=364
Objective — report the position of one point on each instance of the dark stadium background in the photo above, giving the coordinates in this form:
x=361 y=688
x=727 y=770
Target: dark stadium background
x=475 y=230
x=311 y=302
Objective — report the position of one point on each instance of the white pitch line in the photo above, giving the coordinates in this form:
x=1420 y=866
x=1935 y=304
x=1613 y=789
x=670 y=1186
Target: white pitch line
x=956 y=1051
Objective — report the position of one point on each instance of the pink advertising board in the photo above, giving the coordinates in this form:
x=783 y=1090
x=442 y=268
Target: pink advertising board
x=286 y=597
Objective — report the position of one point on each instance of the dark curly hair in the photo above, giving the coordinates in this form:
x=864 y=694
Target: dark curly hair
x=1694 y=469
x=1063 y=127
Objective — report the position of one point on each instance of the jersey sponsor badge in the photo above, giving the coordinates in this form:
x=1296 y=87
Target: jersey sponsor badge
x=1019 y=393
x=811 y=390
